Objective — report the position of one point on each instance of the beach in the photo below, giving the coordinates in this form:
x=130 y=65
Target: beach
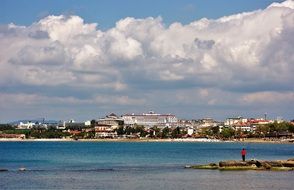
x=251 y=140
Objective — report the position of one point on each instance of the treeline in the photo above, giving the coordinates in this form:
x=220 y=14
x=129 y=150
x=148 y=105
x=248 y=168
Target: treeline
x=34 y=132
x=274 y=129
x=261 y=131
x=268 y=130
x=153 y=132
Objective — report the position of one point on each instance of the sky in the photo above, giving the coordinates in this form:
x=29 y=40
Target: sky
x=85 y=59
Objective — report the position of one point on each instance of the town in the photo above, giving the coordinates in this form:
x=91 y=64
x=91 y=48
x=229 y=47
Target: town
x=152 y=125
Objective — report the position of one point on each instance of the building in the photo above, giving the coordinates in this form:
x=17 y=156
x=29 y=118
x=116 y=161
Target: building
x=13 y=136
x=26 y=125
x=207 y=122
x=106 y=127
x=190 y=131
x=150 y=119
x=72 y=125
x=105 y=131
x=234 y=120
x=111 y=120
x=244 y=124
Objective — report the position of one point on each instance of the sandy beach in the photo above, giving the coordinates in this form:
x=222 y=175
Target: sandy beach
x=251 y=140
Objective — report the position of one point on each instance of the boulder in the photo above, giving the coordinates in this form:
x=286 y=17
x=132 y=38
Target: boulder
x=276 y=165
x=22 y=169
x=288 y=164
x=233 y=163
x=266 y=165
x=236 y=168
x=281 y=169
x=208 y=166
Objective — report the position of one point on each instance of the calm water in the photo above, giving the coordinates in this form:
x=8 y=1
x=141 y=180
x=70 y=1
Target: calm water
x=140 y=165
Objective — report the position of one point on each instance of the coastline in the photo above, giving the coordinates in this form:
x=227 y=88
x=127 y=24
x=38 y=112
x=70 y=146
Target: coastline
x=286 y=141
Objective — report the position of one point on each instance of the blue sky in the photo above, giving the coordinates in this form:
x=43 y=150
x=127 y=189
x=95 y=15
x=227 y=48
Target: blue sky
x=84 y=59
x=107 y=12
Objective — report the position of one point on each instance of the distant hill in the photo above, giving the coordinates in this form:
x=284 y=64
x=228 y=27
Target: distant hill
x=34 y=121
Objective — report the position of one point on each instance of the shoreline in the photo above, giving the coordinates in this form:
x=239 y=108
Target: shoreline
x=287 y=141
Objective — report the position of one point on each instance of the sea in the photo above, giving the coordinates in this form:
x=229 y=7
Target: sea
x=137 y=165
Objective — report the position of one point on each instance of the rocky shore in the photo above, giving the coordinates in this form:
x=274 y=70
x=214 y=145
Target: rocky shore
x=276 y=165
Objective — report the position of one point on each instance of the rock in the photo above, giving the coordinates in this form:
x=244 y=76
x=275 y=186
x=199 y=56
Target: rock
x=213 y=164
x=276 y=165
x=233 y=163
x=290 y=159
x=22 y=169
x=253 y=167
x=281 y=169
x=188 y=166
x=266 y=165
x=208 y=166
x=288 y=164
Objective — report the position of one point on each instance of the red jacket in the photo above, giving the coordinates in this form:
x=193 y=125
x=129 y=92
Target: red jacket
x=243 y=152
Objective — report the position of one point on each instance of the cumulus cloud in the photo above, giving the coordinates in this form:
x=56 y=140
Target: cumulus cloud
x=246 y=53
x=268 y=97
x=31 y=99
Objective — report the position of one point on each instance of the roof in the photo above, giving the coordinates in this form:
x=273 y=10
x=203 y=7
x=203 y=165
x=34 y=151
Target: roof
x=148 y=114
x=112 y=114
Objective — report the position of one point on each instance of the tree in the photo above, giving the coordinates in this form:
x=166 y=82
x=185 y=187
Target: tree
x=215 y=130
x=165 y=132
x=129 y=130
x=120 y=130
x=93 y=123
x=280 y=127
x=291 y=128
x=154 y=131
x=140 y=129
x=6 y=127
x=176 y=132
x=261 y=130
x=228 y=132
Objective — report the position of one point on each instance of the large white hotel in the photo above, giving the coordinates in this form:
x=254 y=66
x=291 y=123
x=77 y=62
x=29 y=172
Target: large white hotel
x=150 y=119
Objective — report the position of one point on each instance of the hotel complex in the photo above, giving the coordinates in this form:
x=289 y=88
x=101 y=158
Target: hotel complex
x=150 y=119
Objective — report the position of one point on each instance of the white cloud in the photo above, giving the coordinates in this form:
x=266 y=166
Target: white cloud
x=243 y=53
x=268 y=98
x=33 y=99
x=66 y=29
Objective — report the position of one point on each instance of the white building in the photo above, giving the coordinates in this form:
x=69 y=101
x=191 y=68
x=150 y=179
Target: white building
x=235 y=120
x=190 y=131
x=87 y=123
x=207 y=122
x=27 y=125
x=150 y=119
x=111 y=120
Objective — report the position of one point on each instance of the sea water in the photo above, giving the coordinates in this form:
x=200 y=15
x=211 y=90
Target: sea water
x=137 y=165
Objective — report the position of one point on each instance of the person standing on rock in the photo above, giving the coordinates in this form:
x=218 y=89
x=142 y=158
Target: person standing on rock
x=243 y=153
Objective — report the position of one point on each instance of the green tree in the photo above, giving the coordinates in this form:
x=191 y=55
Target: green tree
x=93 y=123
x=120 y=130
x=140 y=129
x=290 y=128
x=129 y=130
x=176 y=133
x=215 y=130
x=154 y=132
x=4 y=127
x=228 y=132
x=165 y=132
x=262 y=130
